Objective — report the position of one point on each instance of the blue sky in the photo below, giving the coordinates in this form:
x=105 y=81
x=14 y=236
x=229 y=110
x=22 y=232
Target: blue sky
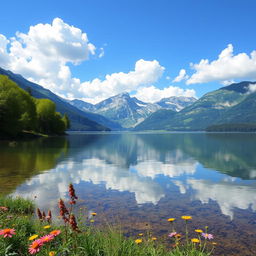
x=161 y=36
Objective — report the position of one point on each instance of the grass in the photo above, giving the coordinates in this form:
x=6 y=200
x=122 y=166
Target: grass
x=76 y=238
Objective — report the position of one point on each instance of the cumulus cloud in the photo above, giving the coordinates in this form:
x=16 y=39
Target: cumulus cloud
x=227 y=67
x=154 y=94
x=44 y=54
x=144 y=73
x=182 y=76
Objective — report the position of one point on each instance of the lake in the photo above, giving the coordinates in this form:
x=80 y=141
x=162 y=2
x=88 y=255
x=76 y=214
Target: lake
x=141 y=179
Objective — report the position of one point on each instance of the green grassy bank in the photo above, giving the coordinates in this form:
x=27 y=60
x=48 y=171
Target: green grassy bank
x=23 y=234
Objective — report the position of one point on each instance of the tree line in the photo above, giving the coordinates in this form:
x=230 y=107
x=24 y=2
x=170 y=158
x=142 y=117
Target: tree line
x=19 y=112
x=245 y=127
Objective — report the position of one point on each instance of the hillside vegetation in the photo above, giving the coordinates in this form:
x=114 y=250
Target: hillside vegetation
x=233 y=104
x=19 y=111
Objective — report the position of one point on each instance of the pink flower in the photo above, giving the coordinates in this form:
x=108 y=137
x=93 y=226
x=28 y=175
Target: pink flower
x=46 y=238
x=3 y=208
x=8 y=232
x=207 y=236
x=172 y=234
x=35 y=246
x=55 y=232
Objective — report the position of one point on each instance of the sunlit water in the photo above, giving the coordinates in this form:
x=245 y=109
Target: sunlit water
x=141 y=180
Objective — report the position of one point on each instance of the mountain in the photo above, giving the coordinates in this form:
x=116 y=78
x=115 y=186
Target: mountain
x=82 y=105
x=125 y=110
x=156 y=121
x=88 y=109
x=129 y=111
x=79 y=120
x=176 y=103
x=235 y=103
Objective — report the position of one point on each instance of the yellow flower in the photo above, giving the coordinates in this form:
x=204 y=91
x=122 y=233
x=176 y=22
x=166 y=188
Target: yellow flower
x=91 y=221
x=198 y=230
x=154 y=238
x=186 y=217
x=33 y=237
x=46 y=227
x=138 y=241
x=213 y=243
x=52 y=253
x=140 y=234
x=195 y=240
x=171 y=219
x=93 y=213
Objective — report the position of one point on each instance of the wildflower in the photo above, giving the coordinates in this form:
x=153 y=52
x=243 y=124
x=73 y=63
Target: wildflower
x=33 y=237
x=47 y=226
x=39 y=214
x=3 y=208
x=92 y=221
x=198 y=230
x=35 y=246
x=7 y=232
x=52 y=253
x=207 y=236
x=154 y=238
x=72 y=194
x=63 y=210
x=172 y=234
x=138 y=241
x=93 y=213
x=55 y=232
x=213 y=243
x=49 y=216
x=186 y=217
x=73 y=223
x=140 y=234
x=46 y=238
x=195 y=240
x=171 y=219
x=44 y=215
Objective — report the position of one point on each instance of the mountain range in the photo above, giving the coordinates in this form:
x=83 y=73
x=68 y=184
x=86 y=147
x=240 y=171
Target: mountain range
x=129 y=111
x=80 y=120
x=233 y=104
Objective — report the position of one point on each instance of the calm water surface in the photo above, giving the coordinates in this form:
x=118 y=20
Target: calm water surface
x=141 y=179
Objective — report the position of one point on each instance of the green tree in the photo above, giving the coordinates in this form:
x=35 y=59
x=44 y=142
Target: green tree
x=66 y=121
x=17 y=108
x=49 y=121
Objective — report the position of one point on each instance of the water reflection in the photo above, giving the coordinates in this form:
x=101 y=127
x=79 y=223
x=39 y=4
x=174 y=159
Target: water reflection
x=147 y=165
x=22 y=160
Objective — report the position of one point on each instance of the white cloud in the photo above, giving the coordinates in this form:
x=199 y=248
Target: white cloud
x=144 y=73
x=153 y=94
x=227 y=67
x=227 y=82
x=44 y=54
x=182 y=76
x=252 y=88
x=102 y=53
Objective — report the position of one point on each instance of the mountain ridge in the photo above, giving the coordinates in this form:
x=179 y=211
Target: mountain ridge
x=78 y=118
x=129 y=111
x=229 y=104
